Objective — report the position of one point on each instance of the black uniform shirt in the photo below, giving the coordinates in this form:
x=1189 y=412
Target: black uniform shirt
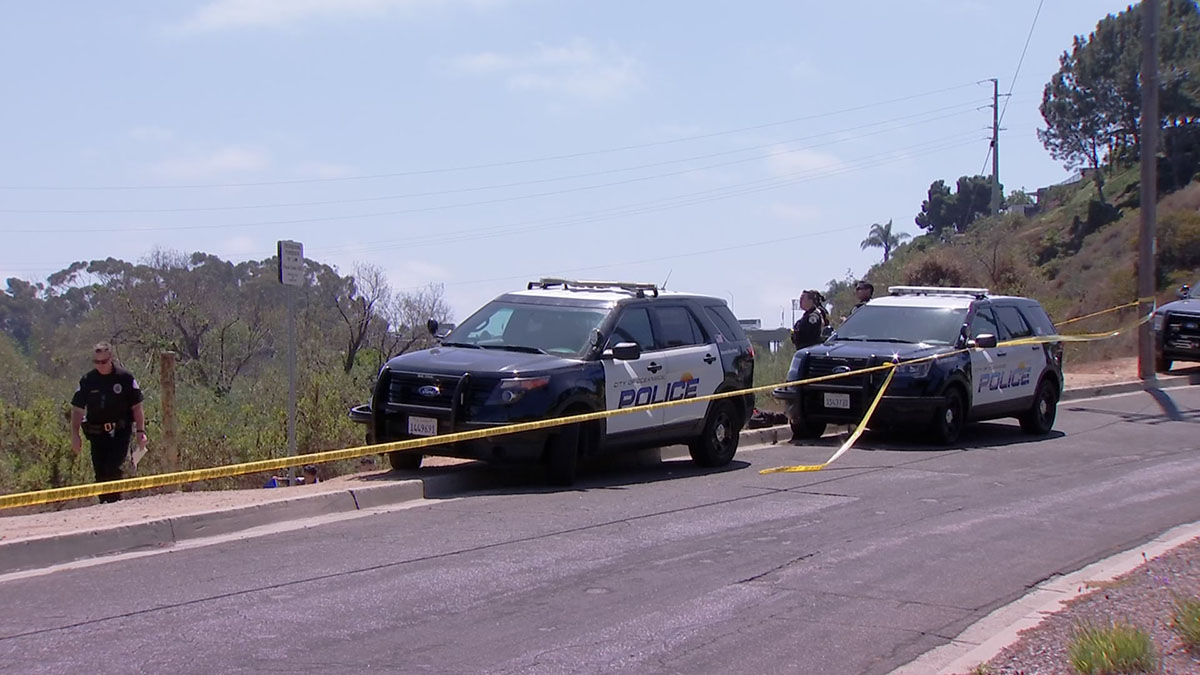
x=808 y=330
x=107 y=398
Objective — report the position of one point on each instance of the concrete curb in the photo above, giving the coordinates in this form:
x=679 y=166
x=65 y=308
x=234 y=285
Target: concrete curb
x=983 y=640
x=38 y=552
x=33 y=553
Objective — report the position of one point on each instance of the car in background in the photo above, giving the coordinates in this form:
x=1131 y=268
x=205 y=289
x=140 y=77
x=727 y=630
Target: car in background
x=977 y=376
x=1176 y=327
x=564 y=347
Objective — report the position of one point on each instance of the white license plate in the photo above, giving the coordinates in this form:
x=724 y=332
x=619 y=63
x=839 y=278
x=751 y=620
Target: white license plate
x=422 y=426
x=841 y=401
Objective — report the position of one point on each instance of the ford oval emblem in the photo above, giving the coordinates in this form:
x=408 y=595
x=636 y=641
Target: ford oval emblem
x=841 y=369
x=429 y=391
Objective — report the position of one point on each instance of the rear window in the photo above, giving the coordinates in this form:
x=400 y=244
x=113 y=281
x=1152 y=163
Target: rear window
x=1014 y=324
x=726 y=323
x=1037 y=317
x=679 y=327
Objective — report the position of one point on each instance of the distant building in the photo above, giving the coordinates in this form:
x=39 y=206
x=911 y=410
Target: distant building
x=750 y=324
x=770 y=339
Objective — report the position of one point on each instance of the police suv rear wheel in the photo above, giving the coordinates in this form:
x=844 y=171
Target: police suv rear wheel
x=402 y=460
x=718 y=443
x=1039 y=419
x=950 y=417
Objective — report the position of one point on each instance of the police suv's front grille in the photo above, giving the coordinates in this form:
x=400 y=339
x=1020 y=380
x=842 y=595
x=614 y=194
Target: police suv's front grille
x=820 y=366
x=429 y=391
x=1182 y=330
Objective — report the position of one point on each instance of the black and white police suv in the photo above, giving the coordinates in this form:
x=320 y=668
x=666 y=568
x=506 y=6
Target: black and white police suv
x=984 y=382
x=563 y=347
x=1177 y=330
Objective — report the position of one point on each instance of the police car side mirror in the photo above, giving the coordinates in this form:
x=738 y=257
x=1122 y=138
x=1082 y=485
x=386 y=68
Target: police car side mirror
x=627 y=351
x=432 y=326
x=983 y=341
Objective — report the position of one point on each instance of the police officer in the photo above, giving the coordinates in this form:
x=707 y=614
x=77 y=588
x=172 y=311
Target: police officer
x=810 y=329
x=864 y=291
x=107 y=406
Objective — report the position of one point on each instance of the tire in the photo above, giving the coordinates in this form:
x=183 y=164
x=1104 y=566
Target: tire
x=950 y=417
x=1161 y=365
x=807 y=429
x=562 y=456
x=718 y=443
x=1039 y=420
x=404 y=460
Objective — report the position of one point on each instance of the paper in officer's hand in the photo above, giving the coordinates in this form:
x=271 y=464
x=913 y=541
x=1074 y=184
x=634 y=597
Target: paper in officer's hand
x=137 y=455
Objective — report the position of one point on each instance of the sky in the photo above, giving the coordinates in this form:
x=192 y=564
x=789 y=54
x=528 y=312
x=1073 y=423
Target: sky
x=740 y=150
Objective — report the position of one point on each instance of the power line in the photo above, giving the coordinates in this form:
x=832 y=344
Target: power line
x=753 y=187
x=552 y=179
x=491 y=165
x=1013 y=83
x=410 y=211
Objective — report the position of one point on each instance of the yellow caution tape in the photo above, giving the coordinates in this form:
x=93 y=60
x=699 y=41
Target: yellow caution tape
x=1135 y=303
x=37 y=497
x=862 y=426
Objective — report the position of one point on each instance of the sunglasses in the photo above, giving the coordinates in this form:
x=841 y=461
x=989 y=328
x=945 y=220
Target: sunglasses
x=101 y=362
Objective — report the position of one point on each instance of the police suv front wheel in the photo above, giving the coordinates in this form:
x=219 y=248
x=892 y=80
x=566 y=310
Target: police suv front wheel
x=719 y=440
x=1039 y=419
x=950 y=417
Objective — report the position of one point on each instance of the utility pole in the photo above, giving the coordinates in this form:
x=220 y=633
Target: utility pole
x=995 y=203
x=1149 y=187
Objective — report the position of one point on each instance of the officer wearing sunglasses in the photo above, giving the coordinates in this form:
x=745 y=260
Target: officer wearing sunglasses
x=107 y=407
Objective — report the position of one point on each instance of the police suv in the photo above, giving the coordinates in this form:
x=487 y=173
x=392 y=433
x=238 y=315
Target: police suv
x=563 y=347
x=1177 y=331
x=979 y=378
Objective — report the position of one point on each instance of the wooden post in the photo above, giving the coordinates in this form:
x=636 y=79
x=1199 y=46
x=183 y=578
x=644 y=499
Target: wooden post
x=170 y=438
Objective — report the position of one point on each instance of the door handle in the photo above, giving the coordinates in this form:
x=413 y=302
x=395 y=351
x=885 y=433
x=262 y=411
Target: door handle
x=653 y=367
x=709 y=358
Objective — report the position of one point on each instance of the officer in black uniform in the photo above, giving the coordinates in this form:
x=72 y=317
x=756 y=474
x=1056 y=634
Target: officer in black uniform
x=864 y=291
x=810 y=329
x=108 y=408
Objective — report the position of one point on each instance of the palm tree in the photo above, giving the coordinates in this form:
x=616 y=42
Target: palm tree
x=881 y=236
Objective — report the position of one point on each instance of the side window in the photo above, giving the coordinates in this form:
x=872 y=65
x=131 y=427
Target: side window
x=725 y=322
x=679 y=328
x=984 y=322
x=633 y=326
x=1013 y=323
x=1036 y=316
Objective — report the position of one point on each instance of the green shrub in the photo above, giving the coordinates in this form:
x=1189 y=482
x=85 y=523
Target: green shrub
x=1110 y=649
x=1179 y=239
x=1186 y=621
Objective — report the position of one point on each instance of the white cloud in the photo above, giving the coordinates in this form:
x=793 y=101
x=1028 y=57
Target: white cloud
x=783 y=162
x=577 y=69
x=219 y=15
x=226 y=160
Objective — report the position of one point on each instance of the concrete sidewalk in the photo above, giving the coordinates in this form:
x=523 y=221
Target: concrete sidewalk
x=40 y=540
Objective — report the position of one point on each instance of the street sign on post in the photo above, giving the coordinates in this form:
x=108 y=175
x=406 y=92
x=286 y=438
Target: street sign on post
x=291 y=263
x=291 y=274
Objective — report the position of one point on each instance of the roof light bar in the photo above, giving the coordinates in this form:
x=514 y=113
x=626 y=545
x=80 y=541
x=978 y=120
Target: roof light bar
x=635 y=287
x=938 y=290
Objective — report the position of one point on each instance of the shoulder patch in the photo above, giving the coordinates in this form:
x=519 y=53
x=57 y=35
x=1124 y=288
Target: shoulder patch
x=135 y=384
x=813 y=318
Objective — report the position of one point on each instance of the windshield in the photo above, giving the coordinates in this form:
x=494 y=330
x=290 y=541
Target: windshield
x=529 y=327
x=925 y=325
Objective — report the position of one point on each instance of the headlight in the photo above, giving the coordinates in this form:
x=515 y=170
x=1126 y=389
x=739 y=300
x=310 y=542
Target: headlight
x=1158 y=321
x=919 y=369
x=514 y=389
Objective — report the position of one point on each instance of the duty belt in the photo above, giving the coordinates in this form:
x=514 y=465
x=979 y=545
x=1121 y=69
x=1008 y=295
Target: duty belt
x=103 y=427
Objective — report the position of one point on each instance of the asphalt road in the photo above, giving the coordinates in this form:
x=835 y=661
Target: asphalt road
x=855 y=569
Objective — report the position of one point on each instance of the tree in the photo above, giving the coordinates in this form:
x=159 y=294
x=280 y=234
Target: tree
x=881 y=236
x=1018 y=198
x=943 y=210
x=357 y=299
x=1092 y=105
x=403 y=316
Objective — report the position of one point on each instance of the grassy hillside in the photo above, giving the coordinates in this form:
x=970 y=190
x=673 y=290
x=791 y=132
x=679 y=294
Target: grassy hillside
x=1076 y=255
